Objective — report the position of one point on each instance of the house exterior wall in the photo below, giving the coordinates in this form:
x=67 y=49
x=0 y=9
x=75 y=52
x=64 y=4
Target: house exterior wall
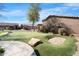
x=71 y=23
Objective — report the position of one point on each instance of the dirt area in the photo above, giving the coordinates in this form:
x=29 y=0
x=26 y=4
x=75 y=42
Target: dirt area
x=57 y=40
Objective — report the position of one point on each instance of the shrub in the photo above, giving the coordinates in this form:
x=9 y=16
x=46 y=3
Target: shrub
x=71 y=35
x=61 y=31
x=44 y=29
x=48 y=36
x=47 y=29
x=54 y=29
x=2 y=50
x=50 y=25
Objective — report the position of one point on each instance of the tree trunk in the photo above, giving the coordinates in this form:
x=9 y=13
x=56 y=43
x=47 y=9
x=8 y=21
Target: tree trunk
x=33 y=26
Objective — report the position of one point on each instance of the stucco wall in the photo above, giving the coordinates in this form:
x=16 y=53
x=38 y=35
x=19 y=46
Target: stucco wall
x=71 y=23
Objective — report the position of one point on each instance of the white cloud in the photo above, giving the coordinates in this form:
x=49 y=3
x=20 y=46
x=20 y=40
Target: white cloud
x=45 y=13
x=13 y=13
x=55 y=11
x=72 y=4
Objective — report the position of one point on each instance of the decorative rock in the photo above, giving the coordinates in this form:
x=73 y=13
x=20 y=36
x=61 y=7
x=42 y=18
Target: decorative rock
x=17 y=48
x=3 y=34
x=33 y=41
x=57 y=40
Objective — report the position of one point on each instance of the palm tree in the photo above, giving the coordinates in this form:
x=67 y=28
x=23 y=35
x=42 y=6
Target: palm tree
x=33 y=13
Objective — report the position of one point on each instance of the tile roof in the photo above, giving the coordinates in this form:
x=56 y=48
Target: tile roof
x=74 y=17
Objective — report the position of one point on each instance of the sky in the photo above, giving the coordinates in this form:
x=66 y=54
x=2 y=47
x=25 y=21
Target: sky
x=18 y=12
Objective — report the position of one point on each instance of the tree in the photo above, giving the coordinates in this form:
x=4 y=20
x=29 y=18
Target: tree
x=33 y=13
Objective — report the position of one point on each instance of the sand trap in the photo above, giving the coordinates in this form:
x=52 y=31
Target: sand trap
x=57 y=40
x=17 y=48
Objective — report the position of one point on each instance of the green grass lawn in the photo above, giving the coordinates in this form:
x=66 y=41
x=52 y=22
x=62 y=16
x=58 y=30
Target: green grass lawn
x=25 y=36
x=44 y=49
x=1 y=32
x=67 y=49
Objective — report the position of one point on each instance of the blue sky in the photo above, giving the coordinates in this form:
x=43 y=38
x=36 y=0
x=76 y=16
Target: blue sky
x=17 y=12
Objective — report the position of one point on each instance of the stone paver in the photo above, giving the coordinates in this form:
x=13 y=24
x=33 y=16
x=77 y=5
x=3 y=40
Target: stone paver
x=33 y=41
x=16 y=48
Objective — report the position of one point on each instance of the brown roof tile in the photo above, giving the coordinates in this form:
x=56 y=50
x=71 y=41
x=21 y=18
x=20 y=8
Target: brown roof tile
x=74 y=17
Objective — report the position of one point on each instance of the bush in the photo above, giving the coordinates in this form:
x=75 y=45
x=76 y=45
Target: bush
x=44 y=29
x=50 y=25
x=54 y=30
x=2 y=50
x=67 y=49
x=47 y=29
x=61 y=31
x=48 y=36
x=71 y=35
